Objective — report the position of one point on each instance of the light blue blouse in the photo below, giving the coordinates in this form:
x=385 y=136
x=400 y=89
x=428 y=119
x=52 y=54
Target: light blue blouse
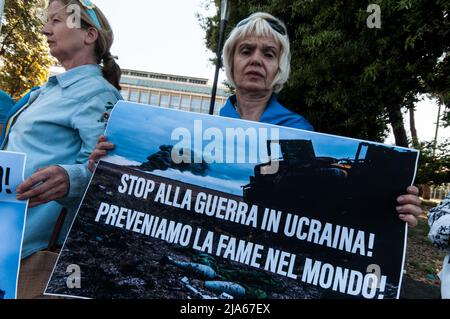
x=60 y=125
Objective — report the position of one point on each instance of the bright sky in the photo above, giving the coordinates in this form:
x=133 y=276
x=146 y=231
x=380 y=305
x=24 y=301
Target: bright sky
x=135 y=141
x=165 y=36
x=425 y=117
x=160 y=36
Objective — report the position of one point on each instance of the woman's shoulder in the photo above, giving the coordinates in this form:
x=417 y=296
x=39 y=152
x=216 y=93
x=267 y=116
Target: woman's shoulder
x=288 y=118
x=85 y=82
x=297 y=121
x=93 y=87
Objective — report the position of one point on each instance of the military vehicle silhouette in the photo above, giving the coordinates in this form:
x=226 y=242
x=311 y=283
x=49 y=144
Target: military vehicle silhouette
x=306 y=180
x=162 y=160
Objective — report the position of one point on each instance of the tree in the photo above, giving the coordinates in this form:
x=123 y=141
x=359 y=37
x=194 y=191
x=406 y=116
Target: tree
x=440 y=88
x=24 y=58
x=347 y=78
x=446 y=116
x=434 y=164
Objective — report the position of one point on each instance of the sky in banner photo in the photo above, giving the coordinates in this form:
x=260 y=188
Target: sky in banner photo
x=136 y=147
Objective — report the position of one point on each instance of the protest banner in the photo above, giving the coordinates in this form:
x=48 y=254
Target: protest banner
x=12 y=221
x=198 y=206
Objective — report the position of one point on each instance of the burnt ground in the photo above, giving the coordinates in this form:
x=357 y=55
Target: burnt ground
x=126 y=272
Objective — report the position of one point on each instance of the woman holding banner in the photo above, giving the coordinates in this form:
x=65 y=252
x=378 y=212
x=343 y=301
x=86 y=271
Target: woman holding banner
x=257 y=63
x=57 y=128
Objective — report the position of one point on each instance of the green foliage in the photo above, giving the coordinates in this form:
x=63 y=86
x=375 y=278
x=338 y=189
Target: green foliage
x=348 y=79
x=442 y=92
x=24 y=58
x=446 y=117
x=434 y=163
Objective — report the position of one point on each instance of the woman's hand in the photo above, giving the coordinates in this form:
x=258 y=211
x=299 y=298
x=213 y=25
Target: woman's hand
x=44 y=185
x=409 y=209
x=101 y=150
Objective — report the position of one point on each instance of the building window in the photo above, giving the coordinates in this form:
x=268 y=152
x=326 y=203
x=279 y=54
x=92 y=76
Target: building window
x=134 y=96
x=185 y=103
x=196 y=104
x=178 y=79
x=125 y=93
x=175 y=101
x=203 y=82
x=154 y=98
x=205 y=105
x=218 y=105
x=164 y=100
x=144 y=97
x=158 y=76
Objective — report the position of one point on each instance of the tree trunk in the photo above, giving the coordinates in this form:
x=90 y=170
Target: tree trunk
x=412 y=126
x=396 y=120
x=425 y=191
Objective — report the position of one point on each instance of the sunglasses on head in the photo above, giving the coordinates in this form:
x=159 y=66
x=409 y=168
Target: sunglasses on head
x=274 y=24
x=90 y=10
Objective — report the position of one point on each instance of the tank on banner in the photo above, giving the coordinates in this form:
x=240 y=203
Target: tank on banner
x=301 y=171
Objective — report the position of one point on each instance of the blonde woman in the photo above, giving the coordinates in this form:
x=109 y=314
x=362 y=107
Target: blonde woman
x=59 y=124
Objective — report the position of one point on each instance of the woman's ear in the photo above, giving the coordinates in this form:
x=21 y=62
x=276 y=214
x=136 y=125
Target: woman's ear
x=91 y=35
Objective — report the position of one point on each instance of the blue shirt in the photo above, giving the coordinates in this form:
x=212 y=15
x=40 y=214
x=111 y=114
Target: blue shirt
x=59 y=125
x=13 y=108
x=6 y=103
x=275 y=113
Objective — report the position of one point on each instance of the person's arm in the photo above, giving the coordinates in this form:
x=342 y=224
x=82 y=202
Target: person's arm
x=439 y=222
x=89 y=125
x=67 y=183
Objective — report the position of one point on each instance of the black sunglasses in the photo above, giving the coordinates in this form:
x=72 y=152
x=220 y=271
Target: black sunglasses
x=274 y=24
